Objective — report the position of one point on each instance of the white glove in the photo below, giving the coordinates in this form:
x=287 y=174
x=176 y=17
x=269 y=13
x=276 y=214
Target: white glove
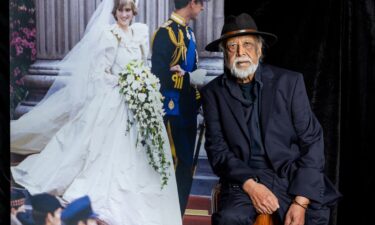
x=197 y=77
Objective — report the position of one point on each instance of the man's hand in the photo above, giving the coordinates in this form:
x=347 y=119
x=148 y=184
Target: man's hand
x=177 y=69
x=296 y=212
x=264 y=201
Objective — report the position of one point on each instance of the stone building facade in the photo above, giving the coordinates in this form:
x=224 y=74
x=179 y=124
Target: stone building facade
x=61 y=24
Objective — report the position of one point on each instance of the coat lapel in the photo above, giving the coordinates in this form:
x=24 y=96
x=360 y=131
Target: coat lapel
x=232 y=96
x=267 y=97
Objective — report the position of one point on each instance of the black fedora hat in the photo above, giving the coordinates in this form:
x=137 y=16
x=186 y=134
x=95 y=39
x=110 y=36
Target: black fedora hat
x=242 y=24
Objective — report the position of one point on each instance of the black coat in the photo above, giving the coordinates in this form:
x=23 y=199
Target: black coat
x=292 y=136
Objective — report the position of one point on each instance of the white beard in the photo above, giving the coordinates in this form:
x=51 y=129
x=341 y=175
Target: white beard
x=243 y=73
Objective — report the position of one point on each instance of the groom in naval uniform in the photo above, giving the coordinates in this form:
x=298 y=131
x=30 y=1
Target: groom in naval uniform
x=174 y=62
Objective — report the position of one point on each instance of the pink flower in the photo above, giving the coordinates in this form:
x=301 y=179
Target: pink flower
x=25 y=31
x=19 y=50
x=22 y=8
x=17 y=40
x=31 y=45
x=16 y=71
x=19 y=82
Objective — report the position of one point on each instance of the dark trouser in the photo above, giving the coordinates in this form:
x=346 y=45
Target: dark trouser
x=183 y=142
x=184 y=180
x=236 y=208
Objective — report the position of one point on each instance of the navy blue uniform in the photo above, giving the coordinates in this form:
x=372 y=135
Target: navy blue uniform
x=174 y=44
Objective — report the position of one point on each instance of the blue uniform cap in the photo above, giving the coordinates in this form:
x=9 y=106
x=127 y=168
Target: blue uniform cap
x=45 y=203
x=79 y=209
x=17 y=198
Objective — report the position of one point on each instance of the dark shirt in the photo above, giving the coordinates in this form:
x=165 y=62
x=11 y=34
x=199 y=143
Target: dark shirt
x=251 y=92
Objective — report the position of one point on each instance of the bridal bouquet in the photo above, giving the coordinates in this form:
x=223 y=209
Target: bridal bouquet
x=141 y=91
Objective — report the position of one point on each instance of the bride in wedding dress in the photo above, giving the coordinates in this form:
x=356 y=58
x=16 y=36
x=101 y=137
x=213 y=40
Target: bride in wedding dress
x=78 y=131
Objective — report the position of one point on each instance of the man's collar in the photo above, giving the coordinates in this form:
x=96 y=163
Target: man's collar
x=178 y=19
x=258 y=73
x=257 y=76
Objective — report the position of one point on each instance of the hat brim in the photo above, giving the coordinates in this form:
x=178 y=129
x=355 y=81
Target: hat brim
x=269 y=38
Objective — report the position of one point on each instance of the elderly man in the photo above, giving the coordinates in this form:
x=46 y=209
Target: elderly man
x=262 y=138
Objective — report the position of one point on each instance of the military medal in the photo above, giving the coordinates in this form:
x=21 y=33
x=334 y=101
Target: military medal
x=171 y=104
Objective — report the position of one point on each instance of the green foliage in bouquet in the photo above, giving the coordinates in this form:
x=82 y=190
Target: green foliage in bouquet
x=140 y=89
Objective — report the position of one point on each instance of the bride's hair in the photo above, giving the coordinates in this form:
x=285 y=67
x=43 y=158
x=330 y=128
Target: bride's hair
x=119 y=4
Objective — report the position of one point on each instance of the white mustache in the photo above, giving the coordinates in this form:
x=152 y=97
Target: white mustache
x=242 y=59
x=243 y=73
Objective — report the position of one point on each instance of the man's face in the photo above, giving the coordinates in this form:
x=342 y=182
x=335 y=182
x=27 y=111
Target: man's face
x=88 y=222
x=55 y=218
x=196 y=9
x=242 y=55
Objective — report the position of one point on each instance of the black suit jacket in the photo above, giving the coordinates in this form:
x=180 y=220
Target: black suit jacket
x=293 y=137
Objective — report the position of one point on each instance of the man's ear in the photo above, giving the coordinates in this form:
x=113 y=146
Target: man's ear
x=81 y=223
x=191 y=3
x=259 y=50
x=49 y=217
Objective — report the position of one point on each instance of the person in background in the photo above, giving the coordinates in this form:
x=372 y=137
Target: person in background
x=46 y=209
x=79 y=212
x=17 y=205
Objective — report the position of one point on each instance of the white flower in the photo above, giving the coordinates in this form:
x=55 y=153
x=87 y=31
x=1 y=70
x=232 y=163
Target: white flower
x=142 y=97
x=138 y=70
x=135 y=85
x=141 y=90
x=129 y=79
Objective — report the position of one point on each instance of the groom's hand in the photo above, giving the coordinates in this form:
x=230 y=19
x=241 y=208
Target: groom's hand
x=177 y=69
x=264 y=201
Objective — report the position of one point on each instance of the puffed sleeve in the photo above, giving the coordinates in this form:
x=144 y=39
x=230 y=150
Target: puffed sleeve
x=106 y=54
x=141 y=32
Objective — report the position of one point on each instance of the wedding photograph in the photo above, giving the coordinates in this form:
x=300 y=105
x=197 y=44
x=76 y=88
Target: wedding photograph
x=188 y=112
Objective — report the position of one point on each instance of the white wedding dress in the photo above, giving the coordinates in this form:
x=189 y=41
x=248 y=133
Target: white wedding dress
x=92 y=154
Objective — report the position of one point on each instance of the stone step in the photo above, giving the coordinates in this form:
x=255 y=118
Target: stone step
x=203 y=167
x=204 y=179
x=199 y=202
x=198 y=211
x=196 y=220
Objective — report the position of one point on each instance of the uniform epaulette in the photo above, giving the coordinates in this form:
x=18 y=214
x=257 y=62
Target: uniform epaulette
x=167 y=23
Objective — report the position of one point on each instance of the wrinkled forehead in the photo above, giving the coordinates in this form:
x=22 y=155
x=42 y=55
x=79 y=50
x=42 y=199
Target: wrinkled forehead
x=242 y=38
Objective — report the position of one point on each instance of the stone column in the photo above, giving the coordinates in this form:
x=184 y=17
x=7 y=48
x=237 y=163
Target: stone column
x=60 y=25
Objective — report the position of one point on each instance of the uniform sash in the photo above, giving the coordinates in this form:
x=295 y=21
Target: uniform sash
x=188 y=63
